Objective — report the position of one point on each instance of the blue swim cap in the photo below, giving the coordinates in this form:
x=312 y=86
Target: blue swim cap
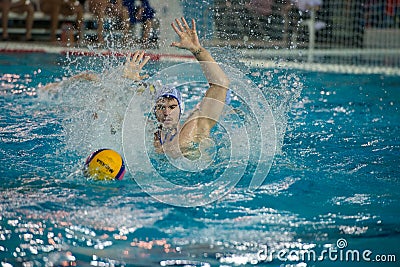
x=172 y=92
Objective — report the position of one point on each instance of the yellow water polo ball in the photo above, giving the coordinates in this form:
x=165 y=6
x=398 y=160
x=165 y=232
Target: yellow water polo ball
x=105 y=164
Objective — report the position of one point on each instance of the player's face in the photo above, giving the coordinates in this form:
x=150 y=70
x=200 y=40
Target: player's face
x=167 y=112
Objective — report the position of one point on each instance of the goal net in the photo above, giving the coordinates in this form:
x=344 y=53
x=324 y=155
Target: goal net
x=362 y=35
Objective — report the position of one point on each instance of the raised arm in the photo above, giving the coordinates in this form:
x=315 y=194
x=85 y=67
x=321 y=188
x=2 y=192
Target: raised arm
x=134 y=65
x=132 y=69
x=213 y=103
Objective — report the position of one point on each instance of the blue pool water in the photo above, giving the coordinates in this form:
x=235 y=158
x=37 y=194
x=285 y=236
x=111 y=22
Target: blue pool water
x=333 y=185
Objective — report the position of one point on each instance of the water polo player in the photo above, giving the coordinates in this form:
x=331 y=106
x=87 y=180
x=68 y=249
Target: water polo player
x=172 y=137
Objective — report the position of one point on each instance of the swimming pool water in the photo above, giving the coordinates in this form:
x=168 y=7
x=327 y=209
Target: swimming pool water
x=336 y=178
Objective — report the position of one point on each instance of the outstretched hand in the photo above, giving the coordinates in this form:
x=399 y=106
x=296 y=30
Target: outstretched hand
x=134 y=65
x=188 y=36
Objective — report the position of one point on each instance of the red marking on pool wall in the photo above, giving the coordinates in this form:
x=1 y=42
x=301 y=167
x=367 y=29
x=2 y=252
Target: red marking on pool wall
x=22 y=48
x=106 y=53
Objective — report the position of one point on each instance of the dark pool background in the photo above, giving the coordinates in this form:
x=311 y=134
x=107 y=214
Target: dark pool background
x=337 y=177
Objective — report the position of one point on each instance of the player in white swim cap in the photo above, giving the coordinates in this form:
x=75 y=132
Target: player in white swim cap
x=172 y=137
